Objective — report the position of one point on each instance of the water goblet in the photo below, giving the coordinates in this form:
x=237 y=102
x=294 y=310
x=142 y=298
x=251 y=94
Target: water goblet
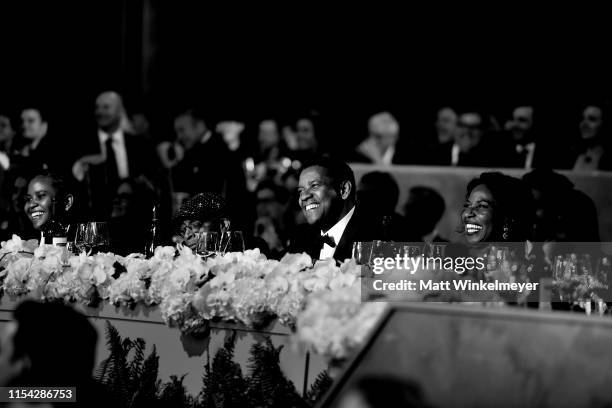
x=231 y=241
x=208 y=244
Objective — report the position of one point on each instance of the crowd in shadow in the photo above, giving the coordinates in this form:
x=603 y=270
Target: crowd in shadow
x=121 y=168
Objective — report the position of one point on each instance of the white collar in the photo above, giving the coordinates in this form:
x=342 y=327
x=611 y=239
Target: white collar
x=117 y=135
x=387 y=158
x=206 y=137
x=528 y=147
x=455 y=154
x=338 y=229
x=36 y=142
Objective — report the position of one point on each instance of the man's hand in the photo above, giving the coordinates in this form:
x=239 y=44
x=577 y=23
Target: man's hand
x=370 y=148
x=163 y=150
x=81 y=166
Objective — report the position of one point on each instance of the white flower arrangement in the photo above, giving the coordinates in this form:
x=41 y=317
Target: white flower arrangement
x=243 y=287
x=335 y=322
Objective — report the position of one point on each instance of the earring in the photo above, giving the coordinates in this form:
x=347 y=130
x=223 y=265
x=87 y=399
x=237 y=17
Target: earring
x=506 y=233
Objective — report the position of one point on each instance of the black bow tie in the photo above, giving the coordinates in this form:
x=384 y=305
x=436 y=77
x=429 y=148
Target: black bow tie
x=326 y=239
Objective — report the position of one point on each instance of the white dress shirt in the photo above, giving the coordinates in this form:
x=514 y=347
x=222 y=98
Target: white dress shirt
x=455 y=154
x=118 y=143
x=336 y=233
x=387 y=158
x=530 y=148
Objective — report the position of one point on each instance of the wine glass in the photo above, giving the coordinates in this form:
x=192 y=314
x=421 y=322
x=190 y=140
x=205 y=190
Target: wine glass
x=231 y=241
x=208 y=244
x=357 y=252
x=80 y=238
x=92 y=236
x=100 y=240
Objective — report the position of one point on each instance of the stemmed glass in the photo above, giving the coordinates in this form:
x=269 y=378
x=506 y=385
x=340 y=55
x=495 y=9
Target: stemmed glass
x=231 y=241
x=208 y=244
x=92 y=236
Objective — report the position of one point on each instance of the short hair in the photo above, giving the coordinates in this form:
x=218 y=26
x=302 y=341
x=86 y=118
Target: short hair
x=61 y=185
x=197 y=115
x=66 y=355
x=41 y=111
x=383 y=122
x=337 y=170
x=514 y=200
x=280 y=193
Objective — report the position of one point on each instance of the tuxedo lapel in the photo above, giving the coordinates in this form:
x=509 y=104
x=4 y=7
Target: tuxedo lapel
x=345 y=246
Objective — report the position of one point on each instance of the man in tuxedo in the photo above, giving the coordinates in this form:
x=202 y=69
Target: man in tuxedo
x=327 y=197
x=115 y=155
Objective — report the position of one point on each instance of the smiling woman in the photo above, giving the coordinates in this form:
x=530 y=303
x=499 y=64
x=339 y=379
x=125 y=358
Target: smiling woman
x=497 y=208
x=48 y=199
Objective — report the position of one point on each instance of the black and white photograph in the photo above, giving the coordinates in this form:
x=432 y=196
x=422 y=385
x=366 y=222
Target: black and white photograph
x=306 y=206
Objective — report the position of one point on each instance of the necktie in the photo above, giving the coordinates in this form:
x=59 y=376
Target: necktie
x=326 y=239
x=112 y=175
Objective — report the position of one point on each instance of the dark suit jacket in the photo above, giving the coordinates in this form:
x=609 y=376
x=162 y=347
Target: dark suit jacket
x=361 y=227
x=98 y=193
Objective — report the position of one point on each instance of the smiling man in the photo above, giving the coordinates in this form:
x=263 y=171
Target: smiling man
x=327 y=198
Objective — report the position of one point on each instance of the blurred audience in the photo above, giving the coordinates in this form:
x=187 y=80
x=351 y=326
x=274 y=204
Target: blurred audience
x=112 y=155
x=308 y=144
x=272 y=224
x=562 y=213
x=423 y=210
x=131 y=216
x=119 y=174
x=592 y=151
x=14 y=218
x=198 y=160
x=7 y=136
x=381 y=145
x=377 y=195
x=39 y=149
x=521 y=133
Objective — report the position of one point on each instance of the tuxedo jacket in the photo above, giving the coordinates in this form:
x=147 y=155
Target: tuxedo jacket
x=361 y=227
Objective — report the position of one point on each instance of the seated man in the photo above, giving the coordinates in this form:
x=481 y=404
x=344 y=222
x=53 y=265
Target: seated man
x=380 y=146
x=327 y=198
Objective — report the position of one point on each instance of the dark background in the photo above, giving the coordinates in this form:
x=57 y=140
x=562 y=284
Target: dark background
x=247 y=64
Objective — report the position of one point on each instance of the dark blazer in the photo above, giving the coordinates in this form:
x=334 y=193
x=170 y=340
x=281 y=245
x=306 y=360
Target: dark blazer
x=98 y=193
x=361 y=227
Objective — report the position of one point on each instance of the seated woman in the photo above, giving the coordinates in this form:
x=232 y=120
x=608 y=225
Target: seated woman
x=498 y=208
x=202 y=212
x=498 y=212
x=207 y=212
x=48 y=202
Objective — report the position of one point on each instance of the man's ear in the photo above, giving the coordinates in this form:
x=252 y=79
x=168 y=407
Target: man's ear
x=345 y=189
x=68 y=202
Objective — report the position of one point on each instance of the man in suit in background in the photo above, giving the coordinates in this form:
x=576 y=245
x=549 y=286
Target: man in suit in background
x=327 y=198
x=115 y=155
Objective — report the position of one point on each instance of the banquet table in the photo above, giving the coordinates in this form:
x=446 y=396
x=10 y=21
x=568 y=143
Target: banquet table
x=185 y=354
